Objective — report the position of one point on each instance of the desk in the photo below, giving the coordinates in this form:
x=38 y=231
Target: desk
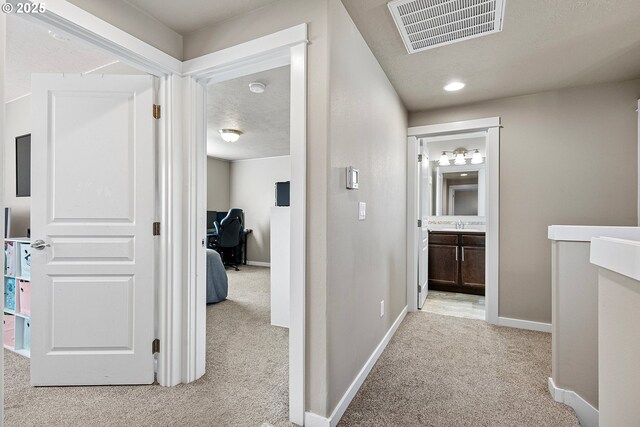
x=211 y=234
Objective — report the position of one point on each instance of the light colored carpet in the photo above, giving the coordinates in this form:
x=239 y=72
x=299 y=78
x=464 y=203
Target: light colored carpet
x=455 y=304
x=246 y=383
x=449 y=371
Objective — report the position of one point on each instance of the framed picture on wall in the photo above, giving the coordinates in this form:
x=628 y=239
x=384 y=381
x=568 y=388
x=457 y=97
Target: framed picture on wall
x=23 y=166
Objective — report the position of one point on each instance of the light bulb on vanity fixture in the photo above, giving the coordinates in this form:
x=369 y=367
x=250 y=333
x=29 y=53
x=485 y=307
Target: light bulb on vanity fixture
x=460 y=160
x=477 y=158
x=444 y=159
x=230 y=135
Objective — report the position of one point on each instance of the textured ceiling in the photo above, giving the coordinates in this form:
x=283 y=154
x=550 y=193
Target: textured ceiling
x=30 y=49
x=185 y=16
x=545 y=45
x=263 y=118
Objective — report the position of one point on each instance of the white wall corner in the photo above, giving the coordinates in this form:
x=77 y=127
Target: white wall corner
x=314 y=420
x=587 y=414
x=524 y=324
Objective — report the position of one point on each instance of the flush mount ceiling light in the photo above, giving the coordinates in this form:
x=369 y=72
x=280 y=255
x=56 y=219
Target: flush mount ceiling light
x=230 y=135
x=460 y=157
x=59 y=36
x=454 y=86
x=464 y=174
x=426 y=24
x=257 y=87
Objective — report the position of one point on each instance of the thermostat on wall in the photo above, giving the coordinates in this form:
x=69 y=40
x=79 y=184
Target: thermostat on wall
x=353 y=176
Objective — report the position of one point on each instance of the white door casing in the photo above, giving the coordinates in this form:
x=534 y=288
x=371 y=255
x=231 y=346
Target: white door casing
x=93 y=195
x=424 y=212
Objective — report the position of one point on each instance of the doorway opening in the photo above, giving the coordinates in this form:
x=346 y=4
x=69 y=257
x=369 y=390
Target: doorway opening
x=455 y=193
x=248 y=235
x=456 y=207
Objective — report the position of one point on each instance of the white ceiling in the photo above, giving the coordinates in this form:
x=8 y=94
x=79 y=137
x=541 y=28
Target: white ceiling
x=263 y=118
x=545 y=45
x=30 y=49
x=185 y=16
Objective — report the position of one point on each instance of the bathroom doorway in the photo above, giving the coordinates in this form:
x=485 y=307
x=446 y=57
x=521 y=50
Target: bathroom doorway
x=455 y=205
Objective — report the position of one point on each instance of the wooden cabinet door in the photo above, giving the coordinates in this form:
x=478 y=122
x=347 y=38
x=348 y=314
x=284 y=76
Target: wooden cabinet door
x=472 y=266
x=443 y=265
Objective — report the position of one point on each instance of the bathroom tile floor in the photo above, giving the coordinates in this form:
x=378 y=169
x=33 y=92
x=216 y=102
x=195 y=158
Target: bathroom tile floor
x=455 y=304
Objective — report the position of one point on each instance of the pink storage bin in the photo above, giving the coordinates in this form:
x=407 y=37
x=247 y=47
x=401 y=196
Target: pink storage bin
x=9 y=326
x=24 y=303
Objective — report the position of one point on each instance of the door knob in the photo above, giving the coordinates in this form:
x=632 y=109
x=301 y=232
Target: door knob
x=39 y=245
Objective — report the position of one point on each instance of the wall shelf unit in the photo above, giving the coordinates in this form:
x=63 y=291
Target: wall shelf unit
x=16 y=286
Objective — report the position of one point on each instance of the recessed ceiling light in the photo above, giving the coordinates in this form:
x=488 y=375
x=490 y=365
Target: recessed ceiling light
x=454 y=86
x=257 y=87
x=59 y=36
x=464 y=174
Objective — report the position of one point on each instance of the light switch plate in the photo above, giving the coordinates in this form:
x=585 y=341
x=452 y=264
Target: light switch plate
x=382 y=308
x=362 y=211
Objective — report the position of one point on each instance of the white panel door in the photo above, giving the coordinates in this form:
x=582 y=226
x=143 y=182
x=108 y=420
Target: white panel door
x=93 y=196
x=424 y=211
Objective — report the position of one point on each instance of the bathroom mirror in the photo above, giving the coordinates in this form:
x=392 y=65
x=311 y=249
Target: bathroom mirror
x=459 y=190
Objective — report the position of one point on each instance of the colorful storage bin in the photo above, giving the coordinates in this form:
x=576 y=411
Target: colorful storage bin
x=10 y=257
x=9 y=293
x=24 y=297
x=26 y=338
x=25 y=260
x=9 y=326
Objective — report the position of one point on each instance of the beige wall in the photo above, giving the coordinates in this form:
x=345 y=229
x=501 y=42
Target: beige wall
x=618 y=347
x=367 y=259
x=252 y=189
x=566 y=157
x=135 y=22
x=18 y=116
x=218 y=184
x=274 y=17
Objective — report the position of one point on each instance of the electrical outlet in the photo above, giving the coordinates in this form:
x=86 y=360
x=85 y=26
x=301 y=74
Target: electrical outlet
x=382 y=308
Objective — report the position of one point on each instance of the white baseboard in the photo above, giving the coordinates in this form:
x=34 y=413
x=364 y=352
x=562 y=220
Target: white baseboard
x=259 y=263
x=587 y=414
x=524 y=324
x=314 y=420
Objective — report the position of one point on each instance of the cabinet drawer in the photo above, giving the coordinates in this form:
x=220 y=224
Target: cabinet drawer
x=473 y=239
x=443 y=239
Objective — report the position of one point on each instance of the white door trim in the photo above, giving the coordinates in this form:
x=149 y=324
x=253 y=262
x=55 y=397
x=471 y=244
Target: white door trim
x=282 y=48
x=492 y=169
x=84 y=26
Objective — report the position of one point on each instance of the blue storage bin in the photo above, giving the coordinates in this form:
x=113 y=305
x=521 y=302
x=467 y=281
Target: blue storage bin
x=10 y=293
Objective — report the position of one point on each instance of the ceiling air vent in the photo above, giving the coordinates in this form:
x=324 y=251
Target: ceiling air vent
x=425 y=24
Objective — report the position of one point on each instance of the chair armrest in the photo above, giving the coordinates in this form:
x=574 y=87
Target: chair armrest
x=216 y=225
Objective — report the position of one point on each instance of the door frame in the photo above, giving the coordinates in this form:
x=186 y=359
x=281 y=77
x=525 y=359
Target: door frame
x=84 y=26
x=286 y=47
x=490 y=126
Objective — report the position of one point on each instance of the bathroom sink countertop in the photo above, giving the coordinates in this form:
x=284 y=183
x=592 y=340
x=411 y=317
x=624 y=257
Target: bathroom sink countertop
x=458 y=230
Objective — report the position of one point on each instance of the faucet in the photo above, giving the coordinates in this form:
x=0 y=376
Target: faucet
x=460 y=225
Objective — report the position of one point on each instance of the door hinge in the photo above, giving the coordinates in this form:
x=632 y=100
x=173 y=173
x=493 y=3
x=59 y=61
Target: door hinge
x=156 y=228
x=419 y=158
x=155 y=346
x=156 y=111
x=419 y=289
x=419 y=223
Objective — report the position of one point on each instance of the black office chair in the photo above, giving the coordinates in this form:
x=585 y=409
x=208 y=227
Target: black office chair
x=228 y=239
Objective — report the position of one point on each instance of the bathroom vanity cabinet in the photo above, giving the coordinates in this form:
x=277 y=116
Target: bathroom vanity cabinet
x=457 y=261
